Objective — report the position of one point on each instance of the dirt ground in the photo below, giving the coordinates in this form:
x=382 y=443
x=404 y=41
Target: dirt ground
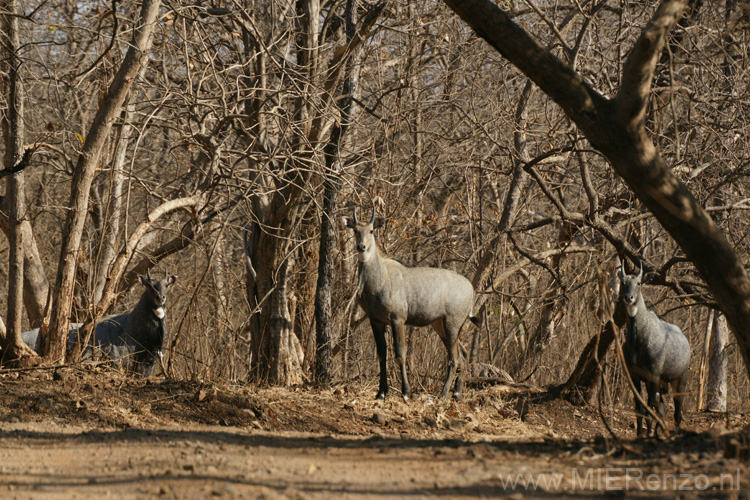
x=93 y=433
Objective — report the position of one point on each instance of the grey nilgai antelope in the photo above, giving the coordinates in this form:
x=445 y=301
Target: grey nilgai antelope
x=656 y=352
x=395 y=294
x=133 y=340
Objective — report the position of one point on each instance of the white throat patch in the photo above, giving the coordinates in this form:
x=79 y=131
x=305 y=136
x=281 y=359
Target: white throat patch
x=632 y=310
x=159 y=311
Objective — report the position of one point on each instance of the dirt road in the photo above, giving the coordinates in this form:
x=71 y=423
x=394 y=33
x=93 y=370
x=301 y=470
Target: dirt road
x=103 y=436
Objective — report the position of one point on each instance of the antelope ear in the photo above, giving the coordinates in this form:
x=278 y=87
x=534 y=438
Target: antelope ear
x=142 y=280
x=348 y=222
x=171 y=279
x=648 y=278
x=379 y=221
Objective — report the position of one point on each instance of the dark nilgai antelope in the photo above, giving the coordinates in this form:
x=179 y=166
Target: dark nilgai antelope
x=656 y=352
x=133 y=340
x=392 y=293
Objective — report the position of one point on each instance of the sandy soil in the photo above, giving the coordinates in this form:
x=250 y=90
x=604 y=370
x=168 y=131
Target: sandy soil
x=93 y=433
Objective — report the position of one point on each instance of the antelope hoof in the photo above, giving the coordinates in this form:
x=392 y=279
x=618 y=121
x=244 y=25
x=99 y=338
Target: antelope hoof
x=380 y=396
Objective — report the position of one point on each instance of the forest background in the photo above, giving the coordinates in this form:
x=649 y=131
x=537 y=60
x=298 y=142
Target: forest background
x=223 y=142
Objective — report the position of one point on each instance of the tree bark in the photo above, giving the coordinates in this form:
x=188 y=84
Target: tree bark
x=616 y=127
x=332 y=185
x=717 y=366
x=111 y=222
x=83 y=176
x=286 y=369
x=14 y=348
x=274 y=352
x=35 y=284
x=323 y=305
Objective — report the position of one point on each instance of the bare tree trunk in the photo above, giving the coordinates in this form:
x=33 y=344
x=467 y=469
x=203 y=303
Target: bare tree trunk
x=273 y=344
x=274 y=355
x=220 y=272
x=111 y=222
x=582 y=383
x=15 y=348
x=13 y=131
x=716 y=356
x=717 y=366
x=323 y=305
x=286 y=369
x=332 y=185
x=35 y=284
x=83 y=176
x=13 y=128
x=703 y=367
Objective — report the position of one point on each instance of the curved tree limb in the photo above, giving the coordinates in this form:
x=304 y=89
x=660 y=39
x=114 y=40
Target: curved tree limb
x=109 y=294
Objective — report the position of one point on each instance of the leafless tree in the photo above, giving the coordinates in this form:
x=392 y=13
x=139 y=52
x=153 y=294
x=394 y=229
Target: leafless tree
x=14 y=161
x=263 y=121
x=83 y=176
x=617 y=128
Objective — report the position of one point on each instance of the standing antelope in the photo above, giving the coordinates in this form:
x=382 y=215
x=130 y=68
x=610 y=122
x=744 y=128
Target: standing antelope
x=392 y=293
x=656 y=352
